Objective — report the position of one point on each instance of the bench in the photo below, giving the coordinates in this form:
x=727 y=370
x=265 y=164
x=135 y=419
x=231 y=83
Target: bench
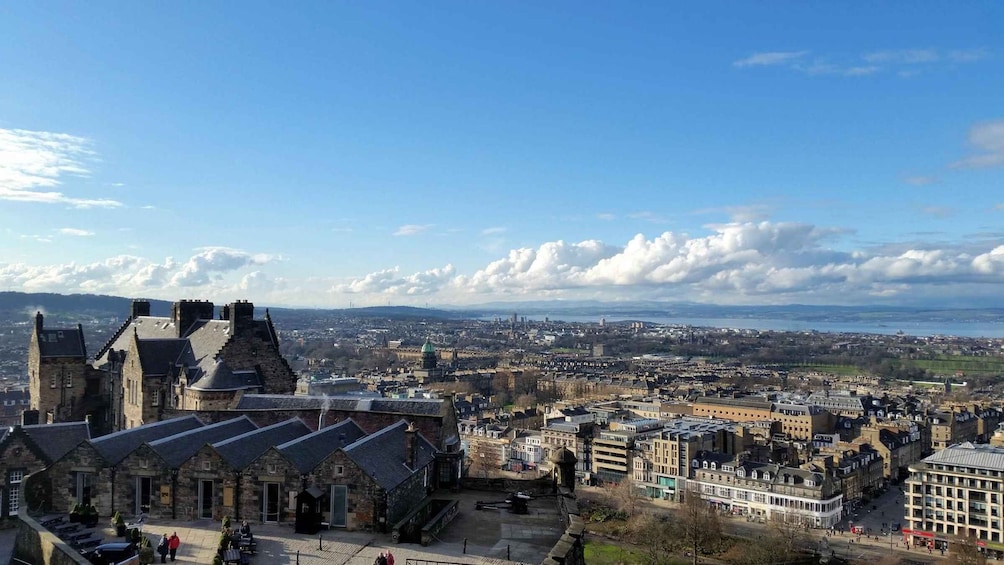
x=74 y=536
x=65 y=529
x=236 y=557
x=87 y=543
x=51 y=521
x=247 y=545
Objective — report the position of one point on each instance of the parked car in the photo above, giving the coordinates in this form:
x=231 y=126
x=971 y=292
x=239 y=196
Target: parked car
x=110 y=553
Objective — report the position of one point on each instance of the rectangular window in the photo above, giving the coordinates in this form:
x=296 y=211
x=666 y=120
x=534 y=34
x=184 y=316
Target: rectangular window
x=207 y=466
x=339 y=470
x=155 y=398
x=14 y=479
x=52 y=381
x=68 y=381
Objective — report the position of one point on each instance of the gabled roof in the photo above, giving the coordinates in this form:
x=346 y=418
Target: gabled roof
x=62 y=343
x=115 y=447
x=308 y=451
x=383 y=455
x=56 y=440
x=408 y=406
x=159 y=356
x=178 y=448
x=240 y=451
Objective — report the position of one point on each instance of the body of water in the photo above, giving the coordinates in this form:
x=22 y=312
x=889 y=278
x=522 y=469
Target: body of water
x=960 y=329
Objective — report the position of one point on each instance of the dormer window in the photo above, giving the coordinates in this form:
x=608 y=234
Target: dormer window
x=741 y=472
x=766 y=476
x=714 y=465
x=810 y=483
x=705 y=465
x=695 y=464
x=753 y=475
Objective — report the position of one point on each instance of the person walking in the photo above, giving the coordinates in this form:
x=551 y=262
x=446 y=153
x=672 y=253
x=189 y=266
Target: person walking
x=173 y=543
x=390 y=558
x=162 y=548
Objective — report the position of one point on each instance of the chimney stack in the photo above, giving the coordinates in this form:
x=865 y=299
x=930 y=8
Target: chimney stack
x=409 y=445
x=140 y=308
x=38 y=322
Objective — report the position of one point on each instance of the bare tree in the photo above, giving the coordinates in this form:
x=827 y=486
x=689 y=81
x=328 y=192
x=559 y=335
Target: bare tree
x=655 y=534
x=787 y=536
x=626 y=496
x=964 y=551
x=699 y=526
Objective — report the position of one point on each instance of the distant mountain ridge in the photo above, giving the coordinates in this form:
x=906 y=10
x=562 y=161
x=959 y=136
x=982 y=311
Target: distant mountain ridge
x=15 y=305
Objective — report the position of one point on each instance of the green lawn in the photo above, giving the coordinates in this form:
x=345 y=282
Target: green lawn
x=604 y=553
x=830 y=369
x=948 y=364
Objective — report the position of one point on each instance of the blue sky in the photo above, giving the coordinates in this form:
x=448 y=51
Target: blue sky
x=441 y=153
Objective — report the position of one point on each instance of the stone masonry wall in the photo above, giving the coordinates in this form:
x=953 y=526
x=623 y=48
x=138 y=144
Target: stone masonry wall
x=408 y=495
x=15 y=455
x=246 y=350
x=271 y=467
x=143 y=462
x=63 y=474
x=205 y=465
x=365 y=504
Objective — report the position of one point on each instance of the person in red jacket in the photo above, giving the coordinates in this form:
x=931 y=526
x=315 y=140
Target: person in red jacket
x=172 y=544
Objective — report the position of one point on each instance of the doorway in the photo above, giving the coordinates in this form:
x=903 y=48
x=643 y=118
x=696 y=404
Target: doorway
x=206 y=499
x=270 y=503
x=339 y=506
x=144 y=493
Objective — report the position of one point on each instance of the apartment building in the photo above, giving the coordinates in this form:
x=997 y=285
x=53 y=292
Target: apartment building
x=661 y=464
x=766 y=491
x=956 y=492
x=613 y=449
x=798 y=421
x=577 y=438
x=899 y=447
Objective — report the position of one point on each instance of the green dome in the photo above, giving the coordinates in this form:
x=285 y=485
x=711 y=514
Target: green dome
x=428 y=348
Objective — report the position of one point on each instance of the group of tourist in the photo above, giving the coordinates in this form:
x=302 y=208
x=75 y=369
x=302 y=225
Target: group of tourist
x=168 y=545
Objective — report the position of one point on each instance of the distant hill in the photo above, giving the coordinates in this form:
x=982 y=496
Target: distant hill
x=14 y=305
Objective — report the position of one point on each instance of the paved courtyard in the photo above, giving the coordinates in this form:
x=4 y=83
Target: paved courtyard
x=493 y=537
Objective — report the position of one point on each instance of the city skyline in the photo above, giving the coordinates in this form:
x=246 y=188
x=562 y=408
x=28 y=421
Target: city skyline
x=452 y=154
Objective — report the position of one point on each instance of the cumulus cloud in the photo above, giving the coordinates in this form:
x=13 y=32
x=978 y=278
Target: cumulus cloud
x=769 y=58
x=740 y=262
x=132 y=275
x=76 y=232
x=988 y=140
x=33 y=164
x=390 y=281
x=413 y=229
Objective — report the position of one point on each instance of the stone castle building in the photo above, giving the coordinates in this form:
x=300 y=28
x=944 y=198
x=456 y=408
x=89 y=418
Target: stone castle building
x=155 y=366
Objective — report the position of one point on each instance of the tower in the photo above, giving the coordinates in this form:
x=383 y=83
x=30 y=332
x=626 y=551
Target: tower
x=429 y=360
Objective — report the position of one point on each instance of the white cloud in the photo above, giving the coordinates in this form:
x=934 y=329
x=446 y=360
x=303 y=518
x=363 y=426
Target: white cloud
x=770 y=58
x=938 y=211
x=413 y=229
x=988 y=140
x=736 y=263
x=903 y=56
x=206 y=273
x=606 y=217
x=390 y=281
x=33 y=163
x=76 y=232
x=493 y=231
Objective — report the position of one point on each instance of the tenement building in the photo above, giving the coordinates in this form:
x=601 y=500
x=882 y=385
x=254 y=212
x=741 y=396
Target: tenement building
x=62 y=387
x=798 y=421
x=766 y=491
x=956 y=493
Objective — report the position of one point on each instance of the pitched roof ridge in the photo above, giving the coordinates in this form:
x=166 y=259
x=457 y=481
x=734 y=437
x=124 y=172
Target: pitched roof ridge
x=277 y=425
x=179 y=435
x=120 y=433
x=315 y=433
x=359 y=442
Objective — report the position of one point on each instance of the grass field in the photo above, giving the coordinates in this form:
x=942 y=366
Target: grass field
x=949 y=364
x=850 y=370
x=602 y=553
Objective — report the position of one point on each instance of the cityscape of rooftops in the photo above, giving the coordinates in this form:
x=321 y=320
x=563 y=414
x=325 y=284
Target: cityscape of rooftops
x=472 y=283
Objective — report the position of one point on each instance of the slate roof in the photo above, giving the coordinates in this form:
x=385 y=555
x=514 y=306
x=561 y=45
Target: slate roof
x=115 y=447
x=62 y=343
x=240 y=451
x=219 y=376
x=178 y=448
x=746 y=401
x=409 y=406
x=383 y=456
x=56 y=440
x=308 y=451
x=159 y=356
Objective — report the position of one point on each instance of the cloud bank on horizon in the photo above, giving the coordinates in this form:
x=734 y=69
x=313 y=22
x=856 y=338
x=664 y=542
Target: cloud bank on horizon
x=736 y=263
